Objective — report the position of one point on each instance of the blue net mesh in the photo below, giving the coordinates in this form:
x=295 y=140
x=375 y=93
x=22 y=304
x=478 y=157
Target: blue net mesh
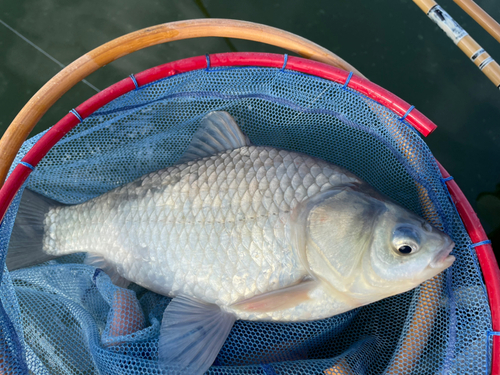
x=65 y=317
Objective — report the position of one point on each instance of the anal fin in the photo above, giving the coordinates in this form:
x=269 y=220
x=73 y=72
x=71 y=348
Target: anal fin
x=192 y=334
x=98 y=261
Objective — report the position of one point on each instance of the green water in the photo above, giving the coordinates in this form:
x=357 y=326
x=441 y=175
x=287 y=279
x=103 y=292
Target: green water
x=391 y=42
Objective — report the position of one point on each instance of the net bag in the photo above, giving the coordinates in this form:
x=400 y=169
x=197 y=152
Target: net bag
x=65 y=317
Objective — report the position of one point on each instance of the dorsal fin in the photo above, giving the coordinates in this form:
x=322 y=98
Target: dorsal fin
x=218 y=133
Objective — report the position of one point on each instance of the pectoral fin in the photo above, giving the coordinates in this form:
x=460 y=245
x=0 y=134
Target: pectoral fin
x=277 y=300
x=192 y=334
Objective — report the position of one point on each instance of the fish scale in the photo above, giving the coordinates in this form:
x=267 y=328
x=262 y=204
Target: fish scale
x=213 y=229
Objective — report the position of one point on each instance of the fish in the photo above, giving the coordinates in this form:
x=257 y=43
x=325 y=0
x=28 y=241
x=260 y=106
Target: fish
x=238 y=231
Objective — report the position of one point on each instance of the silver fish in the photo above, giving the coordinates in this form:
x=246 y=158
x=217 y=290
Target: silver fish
x=236 y=231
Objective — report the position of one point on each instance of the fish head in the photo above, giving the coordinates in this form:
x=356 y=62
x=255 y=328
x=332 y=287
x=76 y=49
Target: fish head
x=405 y=249
x=367 y=247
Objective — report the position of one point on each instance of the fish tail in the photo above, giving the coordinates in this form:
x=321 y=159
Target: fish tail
x=26 y=241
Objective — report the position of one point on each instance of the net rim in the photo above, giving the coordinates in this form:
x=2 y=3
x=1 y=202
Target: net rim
x=486 y=257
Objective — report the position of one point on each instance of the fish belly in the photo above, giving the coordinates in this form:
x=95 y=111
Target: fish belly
x=216 y=228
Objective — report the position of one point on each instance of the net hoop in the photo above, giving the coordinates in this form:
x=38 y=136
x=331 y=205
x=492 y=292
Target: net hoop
x=485 y=255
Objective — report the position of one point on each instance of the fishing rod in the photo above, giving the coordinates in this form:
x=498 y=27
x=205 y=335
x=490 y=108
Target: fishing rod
x=481 y=17
x=462 y=39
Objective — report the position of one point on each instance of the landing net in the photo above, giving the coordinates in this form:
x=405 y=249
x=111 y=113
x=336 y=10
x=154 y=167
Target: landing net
x=65 y=317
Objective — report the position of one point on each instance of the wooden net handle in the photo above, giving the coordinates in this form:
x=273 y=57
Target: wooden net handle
x=31 y=113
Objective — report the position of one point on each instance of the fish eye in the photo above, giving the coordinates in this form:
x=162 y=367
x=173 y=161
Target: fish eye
x=405 y=240
x=405 y=249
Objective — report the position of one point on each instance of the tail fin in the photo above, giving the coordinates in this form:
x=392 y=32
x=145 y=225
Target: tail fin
x=26 y=241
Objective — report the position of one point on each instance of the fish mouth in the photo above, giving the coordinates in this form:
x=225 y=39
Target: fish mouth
x=444 y=259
